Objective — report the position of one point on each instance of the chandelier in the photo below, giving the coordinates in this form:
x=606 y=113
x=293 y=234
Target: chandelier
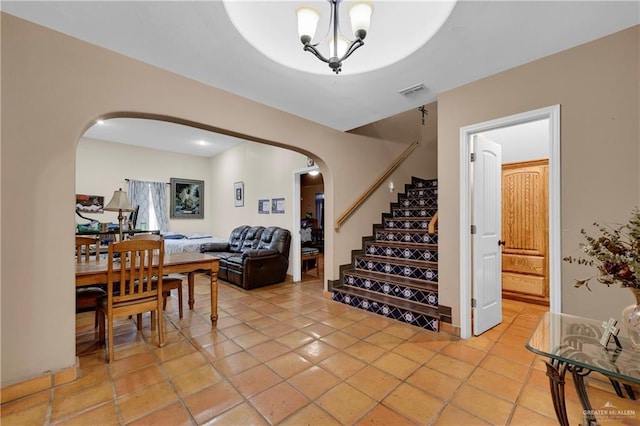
x=339 y=47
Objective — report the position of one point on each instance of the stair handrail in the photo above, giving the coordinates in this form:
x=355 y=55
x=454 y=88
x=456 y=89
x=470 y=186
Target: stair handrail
x=432 y=223
x=375 y=185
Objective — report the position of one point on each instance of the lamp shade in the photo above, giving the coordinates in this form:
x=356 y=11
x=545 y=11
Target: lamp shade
x=118 y=202
x=307 y=22
x=360 y=14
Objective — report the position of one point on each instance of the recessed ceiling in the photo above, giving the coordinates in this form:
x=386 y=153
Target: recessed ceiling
x=386 y=42
x=197 y=39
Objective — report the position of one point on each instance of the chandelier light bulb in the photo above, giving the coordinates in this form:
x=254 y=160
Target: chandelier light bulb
x=343 y=45
x=307 y=23
x=360 y=14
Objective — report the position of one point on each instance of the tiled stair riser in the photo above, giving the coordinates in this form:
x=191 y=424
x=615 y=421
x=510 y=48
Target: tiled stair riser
x=406 y=236
x=398 y=270
x=422 y=213
x=408 y=253
x=425 y=297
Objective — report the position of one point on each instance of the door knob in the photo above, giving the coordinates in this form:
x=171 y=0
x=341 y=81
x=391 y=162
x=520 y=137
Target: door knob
x=501 y=243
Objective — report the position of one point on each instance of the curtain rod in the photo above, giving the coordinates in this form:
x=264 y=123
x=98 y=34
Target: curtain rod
x=166 y=183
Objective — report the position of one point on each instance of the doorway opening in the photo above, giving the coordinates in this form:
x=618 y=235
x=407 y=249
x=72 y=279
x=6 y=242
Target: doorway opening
x=470 y=190
x=308 y=224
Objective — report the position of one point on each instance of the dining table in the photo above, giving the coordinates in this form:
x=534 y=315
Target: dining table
x=95 y=272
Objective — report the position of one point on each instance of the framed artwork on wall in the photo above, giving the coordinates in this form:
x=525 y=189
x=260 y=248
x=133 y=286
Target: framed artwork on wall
x=238 y=194
x=89 y=203
x=263 y=206
x=187 y=199
x=277 y=205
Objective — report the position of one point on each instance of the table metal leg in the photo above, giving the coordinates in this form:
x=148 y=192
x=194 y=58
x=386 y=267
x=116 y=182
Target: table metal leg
x=556 y=371
x=214 y=298
x=579 y=374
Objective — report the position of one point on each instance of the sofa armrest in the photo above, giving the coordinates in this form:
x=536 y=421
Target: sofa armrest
x=208 y=247
x=256 y=253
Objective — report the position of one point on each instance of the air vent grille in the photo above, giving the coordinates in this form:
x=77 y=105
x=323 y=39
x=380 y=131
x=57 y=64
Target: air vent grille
x=412 y=89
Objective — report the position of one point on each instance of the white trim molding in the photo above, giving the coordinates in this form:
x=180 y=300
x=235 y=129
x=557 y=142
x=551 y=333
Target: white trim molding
x=552 y=113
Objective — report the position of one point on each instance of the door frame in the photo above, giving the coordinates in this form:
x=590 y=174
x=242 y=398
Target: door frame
x=552 y=113
x=296 y=245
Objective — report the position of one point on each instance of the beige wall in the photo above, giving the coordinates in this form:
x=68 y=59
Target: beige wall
x=597 y=87
x=54 y=88
x=102 y=167
x=267 y=172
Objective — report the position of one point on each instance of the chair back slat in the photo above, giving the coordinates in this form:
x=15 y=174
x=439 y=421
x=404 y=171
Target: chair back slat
x=83 y=248
x=140 y=270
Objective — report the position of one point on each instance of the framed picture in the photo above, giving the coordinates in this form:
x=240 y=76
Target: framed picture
x=263 y=206
x=89 y=203
x=238 y=194
x=187 y=199
x=277 y=205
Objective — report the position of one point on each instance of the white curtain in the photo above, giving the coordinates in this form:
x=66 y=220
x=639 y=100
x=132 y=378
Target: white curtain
x=150 y=196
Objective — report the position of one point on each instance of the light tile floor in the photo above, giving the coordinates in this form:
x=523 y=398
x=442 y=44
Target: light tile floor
x=288 y=355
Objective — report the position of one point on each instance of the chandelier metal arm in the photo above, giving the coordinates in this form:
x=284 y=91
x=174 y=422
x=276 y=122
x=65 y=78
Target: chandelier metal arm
x=311 y=48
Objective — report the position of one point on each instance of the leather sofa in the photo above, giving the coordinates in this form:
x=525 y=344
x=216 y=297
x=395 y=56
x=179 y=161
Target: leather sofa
x=253 y=257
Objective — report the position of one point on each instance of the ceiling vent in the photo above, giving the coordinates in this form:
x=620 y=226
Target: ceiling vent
x=412 y=89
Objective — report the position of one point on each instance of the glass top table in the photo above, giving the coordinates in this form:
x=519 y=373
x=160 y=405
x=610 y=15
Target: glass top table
x=573 y=343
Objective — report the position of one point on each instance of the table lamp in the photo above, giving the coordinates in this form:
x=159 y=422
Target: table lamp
x=119 y=203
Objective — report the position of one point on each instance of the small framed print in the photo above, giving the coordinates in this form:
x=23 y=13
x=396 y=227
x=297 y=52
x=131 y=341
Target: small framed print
x=238 y=194
x=277 y=205
x=263 y=206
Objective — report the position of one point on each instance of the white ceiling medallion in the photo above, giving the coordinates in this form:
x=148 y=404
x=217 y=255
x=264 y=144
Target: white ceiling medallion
x=398 y=28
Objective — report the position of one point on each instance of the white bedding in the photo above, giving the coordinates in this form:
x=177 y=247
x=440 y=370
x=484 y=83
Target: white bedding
x=185 y=245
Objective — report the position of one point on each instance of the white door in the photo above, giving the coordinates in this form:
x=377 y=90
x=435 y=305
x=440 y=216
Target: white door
x=487 y=218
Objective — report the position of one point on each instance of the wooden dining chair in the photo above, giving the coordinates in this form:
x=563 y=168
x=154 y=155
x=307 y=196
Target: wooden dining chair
x=87 y=297
x=168 y=283
x=134 y=286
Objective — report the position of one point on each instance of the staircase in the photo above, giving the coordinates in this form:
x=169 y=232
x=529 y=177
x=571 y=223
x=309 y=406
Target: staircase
x=396 y=272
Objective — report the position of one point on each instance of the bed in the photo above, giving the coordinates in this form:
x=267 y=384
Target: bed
x=187 y=243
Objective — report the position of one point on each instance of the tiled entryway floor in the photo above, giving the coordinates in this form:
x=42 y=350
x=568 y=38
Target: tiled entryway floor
x=289 y=355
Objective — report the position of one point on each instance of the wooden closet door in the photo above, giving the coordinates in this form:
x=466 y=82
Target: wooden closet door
x=525 y=231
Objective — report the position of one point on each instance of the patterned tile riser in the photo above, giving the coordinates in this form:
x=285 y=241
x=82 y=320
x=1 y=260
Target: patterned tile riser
x=424 y=183
x=420 y=193
x=418 y=203
x=398 y=314
x=411 y=213
x=406 y=237
x=390 y=289
x=380 y=249
x=389 y=268
x=407 y=224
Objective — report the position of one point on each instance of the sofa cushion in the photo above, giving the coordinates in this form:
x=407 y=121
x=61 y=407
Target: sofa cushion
x=237 y=237
x=276 y=238
x=252 y=238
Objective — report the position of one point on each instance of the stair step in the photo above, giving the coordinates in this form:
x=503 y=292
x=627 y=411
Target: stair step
x=404 y=202
x=426 y=294
x=407 y=236
x=411 y=223
x=413 y=212
x=398 y=267
x=424 y=183
x=402 y=251
x=412 y=192
x=411 y=313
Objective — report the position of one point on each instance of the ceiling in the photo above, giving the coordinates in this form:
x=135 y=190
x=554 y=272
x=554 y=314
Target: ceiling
x=198 y=40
